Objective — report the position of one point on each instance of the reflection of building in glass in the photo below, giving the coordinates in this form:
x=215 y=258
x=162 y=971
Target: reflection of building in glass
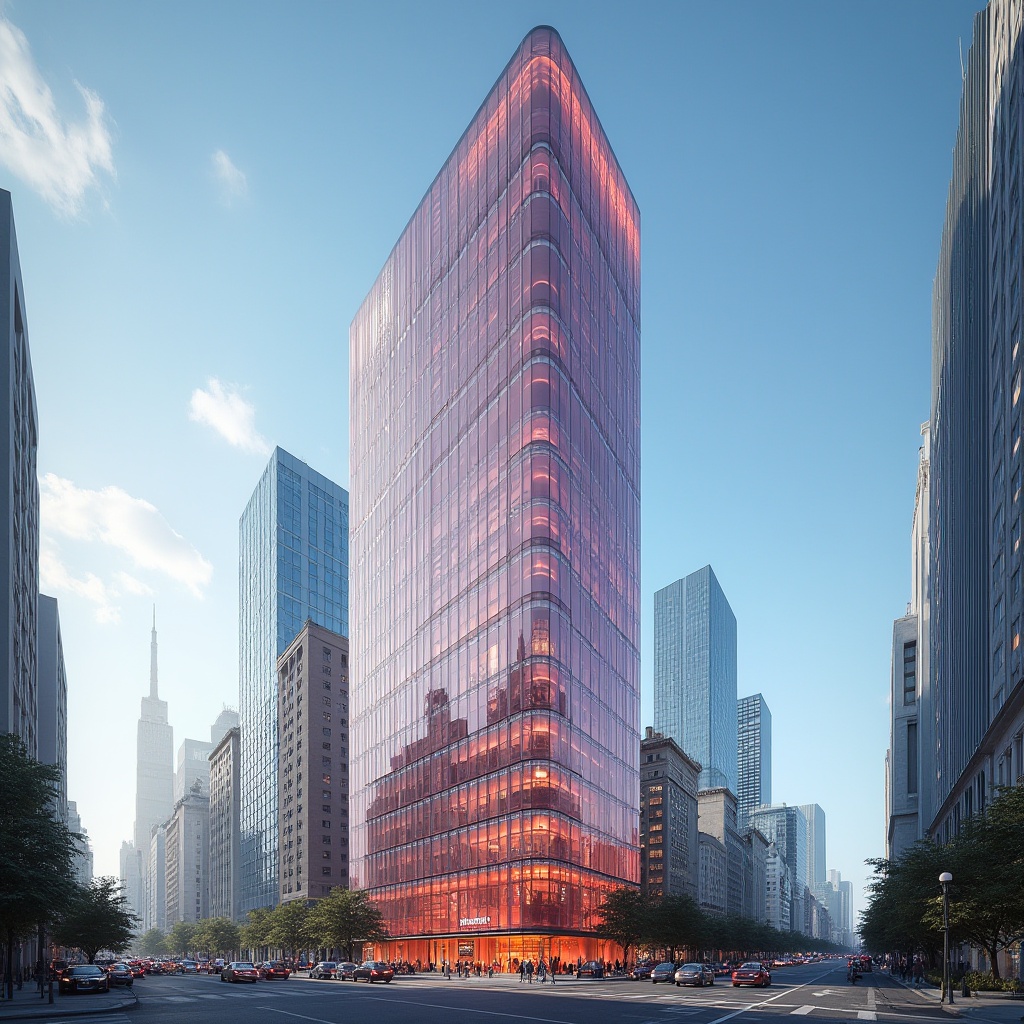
x=495 y=476
x=292 y=566
x=695 y=674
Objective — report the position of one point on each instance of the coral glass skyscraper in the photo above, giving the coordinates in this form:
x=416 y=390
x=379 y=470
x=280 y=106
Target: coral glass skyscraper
x=495 y=398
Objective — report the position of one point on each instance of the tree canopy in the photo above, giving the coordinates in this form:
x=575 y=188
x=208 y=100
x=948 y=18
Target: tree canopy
x=289 y=926
x=217 y=936
x=97 y=919
x=345 y=917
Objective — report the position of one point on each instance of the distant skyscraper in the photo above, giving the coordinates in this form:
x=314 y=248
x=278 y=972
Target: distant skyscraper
x=53 y=697
x=225 y=815
x=188 y=859
x=81 y=865
x=495 y=425
x=292 y=566
x=154 y=778
x=156 y=880
x=695 y=674
x=193 y=768
x=786 y=827
x=227 y=720
x=753 y=755
x=19 y=499
x=815 y=818
x=314 y=847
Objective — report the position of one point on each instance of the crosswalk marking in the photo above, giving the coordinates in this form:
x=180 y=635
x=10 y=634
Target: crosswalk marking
x=801 y=1011
x=867 y=1015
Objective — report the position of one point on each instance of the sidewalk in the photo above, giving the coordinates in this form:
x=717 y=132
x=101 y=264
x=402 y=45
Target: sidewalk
x=26 y=1004
x=983 y=1007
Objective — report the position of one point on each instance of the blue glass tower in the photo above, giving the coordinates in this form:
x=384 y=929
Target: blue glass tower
x=292 y=566
x=695 y=674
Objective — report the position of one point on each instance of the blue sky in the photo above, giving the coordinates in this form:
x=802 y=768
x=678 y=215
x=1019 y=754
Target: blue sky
x=205 y=192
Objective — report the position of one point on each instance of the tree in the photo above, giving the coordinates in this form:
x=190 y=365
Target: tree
x=289 y=926
x=256 y=931
x=345 y=917
x=153 y=943
x=182 y=937
x=35 y=866
x=674 y=921
x=98 y=919
x=624 y=917
x=218 y=935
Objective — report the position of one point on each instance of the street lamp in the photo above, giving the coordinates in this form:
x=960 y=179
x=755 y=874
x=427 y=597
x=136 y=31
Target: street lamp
x=944 y=879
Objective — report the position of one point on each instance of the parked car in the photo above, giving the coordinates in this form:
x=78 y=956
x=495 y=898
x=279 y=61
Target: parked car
x=275 y=969
x=373 y=970
x=240 y=970
x=83 y=978
x=663 y=972
x=642 y=970
x=326 y=970
x=751 y=973
x=694 y=974
x=346 y=971
x=120 y=974
x=591 y=969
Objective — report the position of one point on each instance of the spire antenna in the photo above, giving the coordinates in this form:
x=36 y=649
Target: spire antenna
x=152 y=660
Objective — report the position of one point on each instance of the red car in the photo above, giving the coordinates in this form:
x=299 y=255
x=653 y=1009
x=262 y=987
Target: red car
x=274 y=969
x=240 y=971
x=751 y=973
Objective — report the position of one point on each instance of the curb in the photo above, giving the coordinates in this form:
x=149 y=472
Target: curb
x=46 y=1011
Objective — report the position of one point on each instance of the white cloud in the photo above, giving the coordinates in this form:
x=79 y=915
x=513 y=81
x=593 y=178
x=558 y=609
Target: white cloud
x=54 y=577
x=130 y=525
x=131 y=585
x=233 y=183
x=222 y=407
x=60 y=160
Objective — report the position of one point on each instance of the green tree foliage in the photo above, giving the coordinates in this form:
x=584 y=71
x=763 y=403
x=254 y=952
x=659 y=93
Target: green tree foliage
x=986 y=898
x=345 y=917
x=624 y=918
x=153 y=943
x=98 y=918
x=256 y=931
x=289 y=927
x=181 y=939
x=218 y=936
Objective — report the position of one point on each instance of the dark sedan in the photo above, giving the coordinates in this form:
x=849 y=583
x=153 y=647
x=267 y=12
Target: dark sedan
x=240 y=970
x=120 y=974
x=83 y=978
x=751 y=973
x=695 y=974
x=347 y=971
x=591 y=969
x=663 y=972
x=373 y=970
x=642 y=971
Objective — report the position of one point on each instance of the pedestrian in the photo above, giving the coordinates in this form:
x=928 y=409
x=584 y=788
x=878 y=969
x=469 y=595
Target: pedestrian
x=529 y=972
x=918 y=973
x=522 y=972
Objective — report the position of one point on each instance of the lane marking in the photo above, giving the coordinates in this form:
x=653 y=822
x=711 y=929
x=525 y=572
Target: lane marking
x=433 y=1006
x=867 y=1015
x=801 y=1011
x=765 y=1002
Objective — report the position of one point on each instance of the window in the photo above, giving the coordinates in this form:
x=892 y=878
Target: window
x=911 y=758
x=326 y=855
x=326 y=871
x=326 y=840
x=909 y=672
x=325 y=823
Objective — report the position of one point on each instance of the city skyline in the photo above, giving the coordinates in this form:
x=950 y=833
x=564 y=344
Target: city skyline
x=170 y=495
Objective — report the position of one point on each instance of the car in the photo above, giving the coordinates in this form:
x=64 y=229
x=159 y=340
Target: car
x=326 y=970
x=120 y=974
x=240 y=970
x=83 y=978
x=722 y=970
x=374 y=970
x=591 y=969
x=274 y=969
x=642 y=970
x=188 y=967
x=751 y=973
x=663 y=972
x=346 y=971
x=694 y=974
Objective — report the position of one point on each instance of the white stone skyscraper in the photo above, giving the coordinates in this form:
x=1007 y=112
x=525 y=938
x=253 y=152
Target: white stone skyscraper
x=154 y=774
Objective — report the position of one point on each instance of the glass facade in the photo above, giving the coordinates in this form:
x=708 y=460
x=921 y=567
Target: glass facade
x=753 y=755
x=495 y=369
x=695 y=674
x=292 y=566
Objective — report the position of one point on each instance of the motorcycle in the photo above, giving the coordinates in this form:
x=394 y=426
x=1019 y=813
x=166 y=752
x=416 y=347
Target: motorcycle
x=852 y=975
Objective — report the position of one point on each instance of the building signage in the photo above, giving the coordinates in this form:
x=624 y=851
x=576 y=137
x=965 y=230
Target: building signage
x=466 y=947
x=469 y=922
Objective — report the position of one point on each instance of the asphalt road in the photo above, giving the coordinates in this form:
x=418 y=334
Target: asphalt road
x=816 y=991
